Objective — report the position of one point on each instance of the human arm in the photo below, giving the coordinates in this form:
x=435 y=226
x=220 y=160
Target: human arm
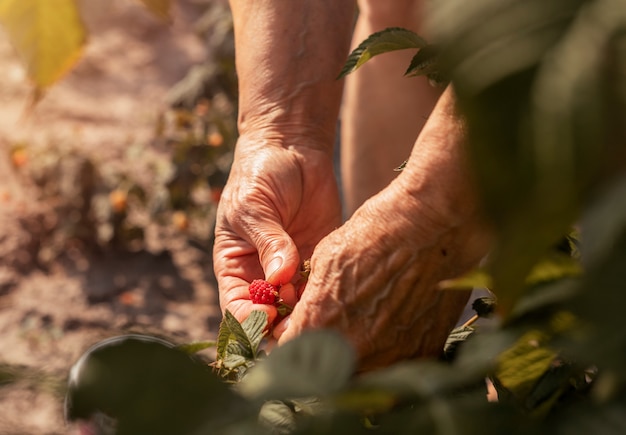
x=281 y=197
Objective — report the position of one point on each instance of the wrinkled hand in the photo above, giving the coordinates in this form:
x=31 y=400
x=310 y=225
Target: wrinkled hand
x=279 y=202
x=375 y=280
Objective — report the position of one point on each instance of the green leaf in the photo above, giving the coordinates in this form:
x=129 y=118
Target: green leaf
x=232 y=338
x=425 y=62
x=254 y=328
x=233 y=360
x=419 y=379
x=550 y=387
x=521 y=366
x=535 y=110
x=390 y=39
x=316 y=363
x=48 y=35
x=456 y=338
x=223 y=337
x=277 y=417
x=196 y=346
x=553 y=267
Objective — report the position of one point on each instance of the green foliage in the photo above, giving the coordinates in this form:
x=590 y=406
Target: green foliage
x=390 y=39
x=238 y=344
x=538 y=115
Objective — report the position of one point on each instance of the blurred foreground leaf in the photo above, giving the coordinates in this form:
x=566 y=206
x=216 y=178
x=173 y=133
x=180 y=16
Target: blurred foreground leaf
x=531 y=78
x=48 y=35
x=148 y=386
x=316 y=363
x=522 y=365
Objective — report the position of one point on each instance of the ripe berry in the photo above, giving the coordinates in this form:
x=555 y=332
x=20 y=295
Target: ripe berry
x=262 y=292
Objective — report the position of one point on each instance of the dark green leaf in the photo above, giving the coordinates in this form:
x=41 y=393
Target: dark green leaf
x=316 y=363
x=553 y=267
x=390 y=39
x=148 y=386
x=425 y=62
x=419 y=379
x=606 y=418
x=522 y=365
x=277 y=417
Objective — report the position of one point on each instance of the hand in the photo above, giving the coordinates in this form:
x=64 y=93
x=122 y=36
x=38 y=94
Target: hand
x=375 y=278
x=279 y=202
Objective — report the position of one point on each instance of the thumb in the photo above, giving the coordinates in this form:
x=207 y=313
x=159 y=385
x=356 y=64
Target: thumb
x=278 y=256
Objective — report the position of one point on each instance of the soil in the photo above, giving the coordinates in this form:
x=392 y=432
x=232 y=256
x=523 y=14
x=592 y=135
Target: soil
x=49 y=314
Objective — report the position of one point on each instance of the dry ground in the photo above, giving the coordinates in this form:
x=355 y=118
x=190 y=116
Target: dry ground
x=49 y=315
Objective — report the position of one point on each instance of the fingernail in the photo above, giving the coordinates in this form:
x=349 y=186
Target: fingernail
x=273 y=266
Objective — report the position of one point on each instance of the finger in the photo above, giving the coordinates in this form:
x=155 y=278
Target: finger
x=288 y=295
x=278 y=256
x=280 y=328
x=277 y=252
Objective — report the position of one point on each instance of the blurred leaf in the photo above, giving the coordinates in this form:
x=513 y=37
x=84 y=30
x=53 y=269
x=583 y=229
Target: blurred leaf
x=477 y=278
x=549 y=388
x=600 y=300
x=606 y=418
x=498 y=54
x=148 y=386
x=161 y=8
x=553 y=267
x=423 y=379
x=196 y=346
x=547 y=297
x=485 y=41
x=604 y=222
x=521 y=366
x=316 y=363
x=48 y=35
x=277 y=417
x=389 y=39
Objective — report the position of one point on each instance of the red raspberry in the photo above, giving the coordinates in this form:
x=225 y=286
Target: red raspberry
x=262 y=292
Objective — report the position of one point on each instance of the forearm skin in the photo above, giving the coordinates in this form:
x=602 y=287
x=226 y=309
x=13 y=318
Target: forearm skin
x=288 y=56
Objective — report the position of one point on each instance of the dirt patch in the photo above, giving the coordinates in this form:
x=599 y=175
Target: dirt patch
x=51 y=312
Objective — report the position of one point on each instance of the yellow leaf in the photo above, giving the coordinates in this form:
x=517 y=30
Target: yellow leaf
x=160 y=8
x=476 y=278
x=48 y=35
